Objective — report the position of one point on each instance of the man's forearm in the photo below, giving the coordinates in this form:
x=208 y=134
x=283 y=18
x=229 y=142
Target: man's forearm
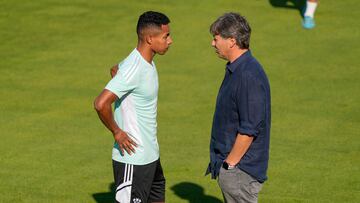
x=106 y=116
x=102 y=105
x=241 y=145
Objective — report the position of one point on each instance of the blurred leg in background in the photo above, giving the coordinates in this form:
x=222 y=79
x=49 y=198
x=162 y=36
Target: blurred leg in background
x=309 y=14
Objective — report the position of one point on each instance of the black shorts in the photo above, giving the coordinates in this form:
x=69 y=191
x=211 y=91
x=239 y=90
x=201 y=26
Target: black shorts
x=139 y=183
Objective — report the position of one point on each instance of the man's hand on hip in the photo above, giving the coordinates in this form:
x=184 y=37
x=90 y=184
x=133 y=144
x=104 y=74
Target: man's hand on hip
x=125 y=142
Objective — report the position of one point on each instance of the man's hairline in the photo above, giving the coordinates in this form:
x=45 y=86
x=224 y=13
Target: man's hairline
x=153 y=27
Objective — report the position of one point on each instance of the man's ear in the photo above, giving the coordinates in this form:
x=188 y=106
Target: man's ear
x=148 y=39
x=232 y=42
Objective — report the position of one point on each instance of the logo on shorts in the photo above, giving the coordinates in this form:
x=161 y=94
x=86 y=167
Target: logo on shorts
x=137 y=200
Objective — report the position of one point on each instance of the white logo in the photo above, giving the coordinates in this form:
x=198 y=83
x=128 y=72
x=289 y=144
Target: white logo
x=137 y=200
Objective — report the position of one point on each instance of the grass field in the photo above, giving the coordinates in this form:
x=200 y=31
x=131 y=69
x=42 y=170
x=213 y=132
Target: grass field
x=55 y=58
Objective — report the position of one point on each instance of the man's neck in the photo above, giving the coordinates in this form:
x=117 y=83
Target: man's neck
x=236 y=54
x=145 y=52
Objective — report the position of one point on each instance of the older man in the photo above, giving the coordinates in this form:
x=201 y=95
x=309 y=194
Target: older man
x=239 y=146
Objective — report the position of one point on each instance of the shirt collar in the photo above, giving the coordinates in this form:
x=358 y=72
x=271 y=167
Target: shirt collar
x=241 y=59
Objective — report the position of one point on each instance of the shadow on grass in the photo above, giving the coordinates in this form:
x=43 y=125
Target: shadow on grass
x=193 y=193
x=185 y=190
x=105 y=197
x=290 y=4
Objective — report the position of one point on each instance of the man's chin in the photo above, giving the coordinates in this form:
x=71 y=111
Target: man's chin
x=220 y=56
x=162 y=52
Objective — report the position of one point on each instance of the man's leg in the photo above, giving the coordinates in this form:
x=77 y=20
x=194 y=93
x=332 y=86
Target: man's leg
x=309 y=14
x=157 y=192
x=123 y=181
x=238 y=187
x=133 y=182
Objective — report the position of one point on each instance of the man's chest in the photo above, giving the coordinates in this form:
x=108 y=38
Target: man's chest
x=228 y=90
x=148 y=86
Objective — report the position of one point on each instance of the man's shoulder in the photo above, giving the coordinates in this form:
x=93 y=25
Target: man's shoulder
x=252 y=63
x=252 y=68
x=129 y=69
x=131 y=64
x=132 y=60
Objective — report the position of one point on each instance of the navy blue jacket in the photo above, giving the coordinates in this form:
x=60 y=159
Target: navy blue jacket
x=242 y=106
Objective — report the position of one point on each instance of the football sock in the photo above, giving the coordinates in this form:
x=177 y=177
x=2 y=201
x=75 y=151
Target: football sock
x=310 y=9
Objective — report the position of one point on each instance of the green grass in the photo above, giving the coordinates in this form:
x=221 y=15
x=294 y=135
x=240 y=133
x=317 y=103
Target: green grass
x=55 y=58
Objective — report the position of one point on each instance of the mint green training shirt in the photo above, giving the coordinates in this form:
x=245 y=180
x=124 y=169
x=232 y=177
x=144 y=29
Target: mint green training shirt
x=136 y=85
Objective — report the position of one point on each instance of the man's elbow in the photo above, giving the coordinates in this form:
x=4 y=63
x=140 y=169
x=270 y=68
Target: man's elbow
x=98 y=105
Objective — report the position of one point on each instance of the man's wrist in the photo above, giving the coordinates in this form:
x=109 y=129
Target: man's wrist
x=231 y=161
x=116 y=131
x=228 y=166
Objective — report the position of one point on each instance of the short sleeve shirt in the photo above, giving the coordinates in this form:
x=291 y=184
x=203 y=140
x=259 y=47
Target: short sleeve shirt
x=136 y=86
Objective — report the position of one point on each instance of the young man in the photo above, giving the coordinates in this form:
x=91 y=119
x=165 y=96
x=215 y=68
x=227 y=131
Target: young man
x=134 y=89
x=309 y=22
x=239 y=146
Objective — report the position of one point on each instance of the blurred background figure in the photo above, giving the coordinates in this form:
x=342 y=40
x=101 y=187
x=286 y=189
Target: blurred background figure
x=300 y=6
x=306 y=9
x=309 y=22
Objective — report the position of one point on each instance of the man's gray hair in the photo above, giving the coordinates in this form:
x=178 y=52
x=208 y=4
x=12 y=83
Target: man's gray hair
x=233 y=25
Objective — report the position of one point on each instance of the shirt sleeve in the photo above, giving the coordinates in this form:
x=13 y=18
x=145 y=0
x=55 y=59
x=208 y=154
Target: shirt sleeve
x=125 y=80
x=251 y=105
